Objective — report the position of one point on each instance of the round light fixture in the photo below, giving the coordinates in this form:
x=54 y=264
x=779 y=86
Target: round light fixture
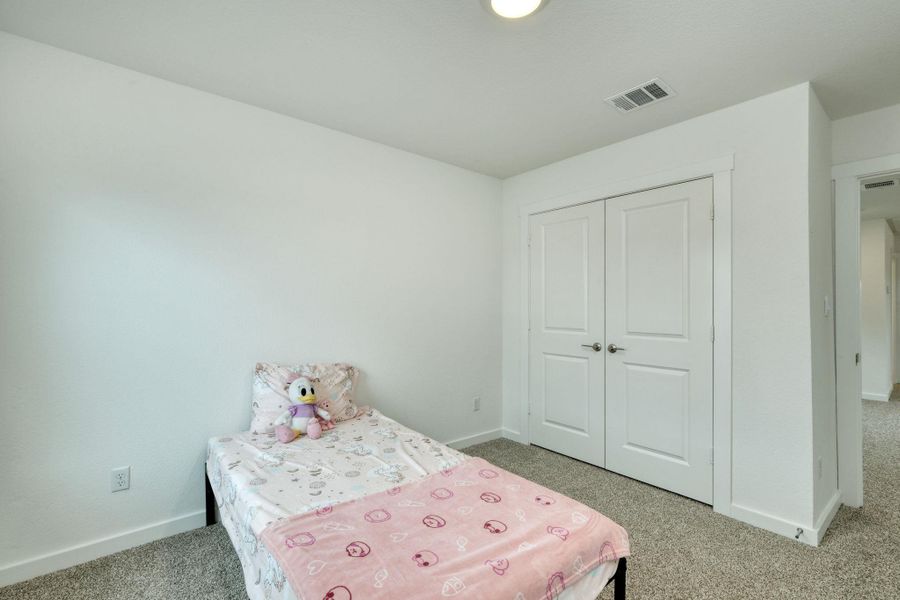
x=515 y=9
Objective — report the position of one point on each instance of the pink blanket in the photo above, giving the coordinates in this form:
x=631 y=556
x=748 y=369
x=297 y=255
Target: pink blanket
x=475 y=531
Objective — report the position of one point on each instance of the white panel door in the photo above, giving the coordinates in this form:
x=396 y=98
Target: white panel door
x=659 y=312
x=566 y=318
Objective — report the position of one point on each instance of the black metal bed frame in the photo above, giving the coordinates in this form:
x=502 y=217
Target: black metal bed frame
x=210 y=502
x=617 y=580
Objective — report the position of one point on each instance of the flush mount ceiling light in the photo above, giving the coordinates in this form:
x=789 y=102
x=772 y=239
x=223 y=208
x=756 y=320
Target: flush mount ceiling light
x=513 y=9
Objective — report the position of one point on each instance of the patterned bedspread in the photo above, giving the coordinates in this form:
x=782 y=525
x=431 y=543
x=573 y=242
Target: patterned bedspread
x=474 y=531
x=258 y=480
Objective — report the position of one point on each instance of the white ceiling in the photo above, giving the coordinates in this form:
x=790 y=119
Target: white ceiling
x=444 y=79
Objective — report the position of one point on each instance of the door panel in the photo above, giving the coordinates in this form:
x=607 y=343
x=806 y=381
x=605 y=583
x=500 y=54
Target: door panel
x=565 y=270
x=566 y=380
x=643 y=386
x=659 y=310
x=656 y=283
x=566 y=386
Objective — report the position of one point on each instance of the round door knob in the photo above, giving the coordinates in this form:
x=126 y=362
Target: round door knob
x=613 y=348
x=596 y=347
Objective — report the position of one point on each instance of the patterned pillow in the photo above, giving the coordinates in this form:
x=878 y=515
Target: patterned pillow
x=269 y=395
x=336 y=387
x=270 y=383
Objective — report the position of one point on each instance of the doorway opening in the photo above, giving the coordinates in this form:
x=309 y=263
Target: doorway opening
x=878 y=248
x=867 y=357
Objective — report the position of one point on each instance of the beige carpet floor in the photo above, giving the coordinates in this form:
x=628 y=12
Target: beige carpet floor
x=682 y=550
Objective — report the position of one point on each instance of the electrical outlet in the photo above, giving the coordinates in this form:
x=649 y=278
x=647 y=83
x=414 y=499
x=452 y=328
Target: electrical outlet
x=121 y=479
x=476 y=403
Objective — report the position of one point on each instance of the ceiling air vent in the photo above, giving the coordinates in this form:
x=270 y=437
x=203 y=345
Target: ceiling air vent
x=641 y=96
x=879 y=184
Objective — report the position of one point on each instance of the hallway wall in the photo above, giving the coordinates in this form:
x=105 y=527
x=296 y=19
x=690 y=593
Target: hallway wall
x=876 y=246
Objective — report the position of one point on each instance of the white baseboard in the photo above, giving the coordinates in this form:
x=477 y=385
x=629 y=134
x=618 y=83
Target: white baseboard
x=824 y=520
x=74 y=555
x=478 y=438
x=876 y=396
x=774 y=524
x=513 y=435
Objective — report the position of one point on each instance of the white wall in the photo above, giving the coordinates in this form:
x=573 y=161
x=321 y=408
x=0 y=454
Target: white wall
x=876 y=247
x=156 y=241
x=821 y=256
x=772 y=463
x=896 y=308
x=893 y=270
x=868 y=135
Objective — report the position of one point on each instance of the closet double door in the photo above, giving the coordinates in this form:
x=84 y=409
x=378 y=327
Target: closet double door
x=620 y=335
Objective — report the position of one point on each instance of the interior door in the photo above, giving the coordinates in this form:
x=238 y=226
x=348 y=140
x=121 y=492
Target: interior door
x=566 y=373
x=659 y=279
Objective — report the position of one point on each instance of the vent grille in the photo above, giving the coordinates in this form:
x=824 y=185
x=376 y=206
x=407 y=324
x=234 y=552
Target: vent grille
x=656 y=91
x=647 y=93
x=639 y=97
x=879 y=184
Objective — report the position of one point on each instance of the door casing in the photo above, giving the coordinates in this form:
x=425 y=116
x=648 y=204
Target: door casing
x=847 y=178
x=720 y=170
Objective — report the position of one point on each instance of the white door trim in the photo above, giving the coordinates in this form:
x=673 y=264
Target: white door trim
x=849 y=400
x=720 y=170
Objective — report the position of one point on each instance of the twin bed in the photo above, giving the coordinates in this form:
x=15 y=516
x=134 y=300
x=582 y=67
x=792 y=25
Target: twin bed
x=374 y=509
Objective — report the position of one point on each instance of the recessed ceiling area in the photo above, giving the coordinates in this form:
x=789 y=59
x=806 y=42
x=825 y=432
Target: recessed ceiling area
x=881 y=202
x=447 y=80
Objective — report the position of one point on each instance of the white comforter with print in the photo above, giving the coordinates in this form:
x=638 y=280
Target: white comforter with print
x=257 y=480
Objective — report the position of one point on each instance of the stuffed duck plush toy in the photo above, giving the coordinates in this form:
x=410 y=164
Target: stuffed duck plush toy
x=301 y=417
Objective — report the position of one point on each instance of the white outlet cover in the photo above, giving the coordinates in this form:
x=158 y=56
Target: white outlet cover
x=120 y=479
